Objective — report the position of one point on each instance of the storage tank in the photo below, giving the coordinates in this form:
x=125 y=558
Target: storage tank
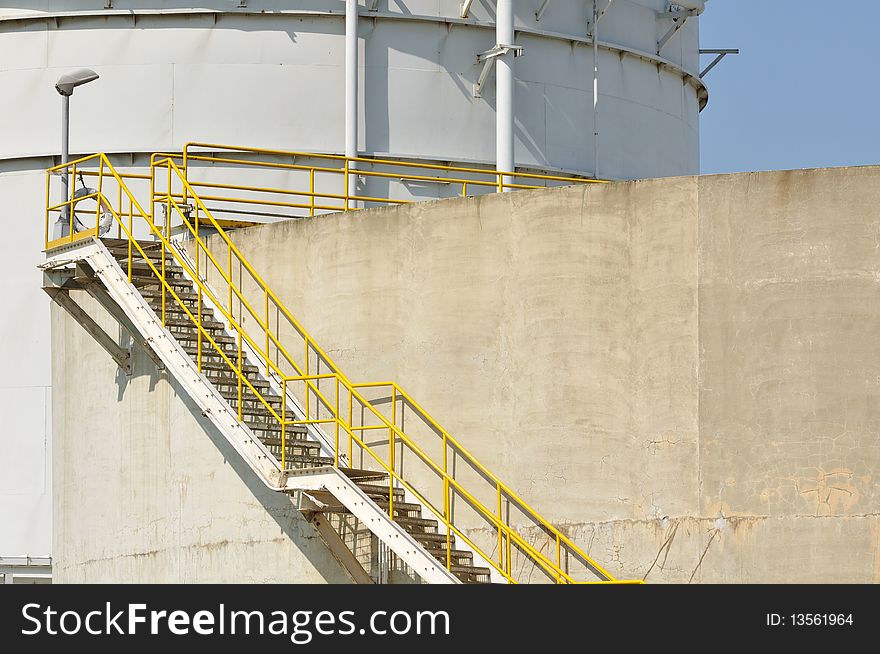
x=466 y=82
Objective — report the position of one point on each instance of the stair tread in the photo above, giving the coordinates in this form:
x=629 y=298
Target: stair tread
x=291 y=442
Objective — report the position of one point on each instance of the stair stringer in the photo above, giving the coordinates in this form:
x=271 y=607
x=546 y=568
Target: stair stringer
x=214 y=407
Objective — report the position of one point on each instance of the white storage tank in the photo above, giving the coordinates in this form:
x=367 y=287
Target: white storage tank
x=273 y=73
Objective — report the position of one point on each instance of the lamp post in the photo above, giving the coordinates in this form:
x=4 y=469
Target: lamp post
x=65 y=86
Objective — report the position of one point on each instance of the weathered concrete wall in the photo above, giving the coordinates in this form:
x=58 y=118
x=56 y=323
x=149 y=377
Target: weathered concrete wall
x=147 y=491
x=680 y=372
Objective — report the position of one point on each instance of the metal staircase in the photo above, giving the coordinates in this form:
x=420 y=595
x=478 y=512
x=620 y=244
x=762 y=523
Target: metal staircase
x=366 y=453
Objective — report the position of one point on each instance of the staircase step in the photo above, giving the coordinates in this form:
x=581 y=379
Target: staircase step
x=174 y=309
x=190 y=341
x=143 y=269
x=427 y=537
x=359 y=475
x=150 y=280
x=271 y=431
x=171 y=320
x=402 y=507
x=230 y=381
x=295 y=448
x=375 y=490
x=417 y=523
x=153 y=251
x=472 y=575
x=156 y=294
x=222 y=366
x=458 y=557
x=292 y=438
x=250 y=403
x=311 y=461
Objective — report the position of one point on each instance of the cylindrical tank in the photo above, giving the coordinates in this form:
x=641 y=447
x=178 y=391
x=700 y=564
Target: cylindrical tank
x=259 y=72
x=272 y=73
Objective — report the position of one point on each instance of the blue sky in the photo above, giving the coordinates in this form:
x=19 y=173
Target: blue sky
x=804 y=93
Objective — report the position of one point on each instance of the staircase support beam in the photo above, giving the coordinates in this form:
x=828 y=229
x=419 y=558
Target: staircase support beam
x=340 y=551
x=122 y=357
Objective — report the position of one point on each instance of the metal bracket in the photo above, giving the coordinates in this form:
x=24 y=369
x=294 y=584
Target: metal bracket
x=721 y=53
x=598 y=16
x=374 y=5
x=679 y=16
x=61 y=296
x=81 y=278
x=465 y=7
x=312 y=511
x=542 y=9
x=488 y=60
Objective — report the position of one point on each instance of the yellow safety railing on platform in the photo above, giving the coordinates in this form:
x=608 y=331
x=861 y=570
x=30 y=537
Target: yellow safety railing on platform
x=471 y=503
x=319 y=183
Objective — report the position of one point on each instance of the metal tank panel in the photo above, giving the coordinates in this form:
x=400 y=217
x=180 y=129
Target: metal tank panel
x=272 y=74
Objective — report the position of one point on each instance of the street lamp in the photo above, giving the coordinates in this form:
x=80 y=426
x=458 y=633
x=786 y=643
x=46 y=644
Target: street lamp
x=65 y=86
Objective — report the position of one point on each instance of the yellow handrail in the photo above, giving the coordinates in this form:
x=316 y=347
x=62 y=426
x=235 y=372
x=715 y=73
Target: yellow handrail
x=507 y=536
x=339 y=166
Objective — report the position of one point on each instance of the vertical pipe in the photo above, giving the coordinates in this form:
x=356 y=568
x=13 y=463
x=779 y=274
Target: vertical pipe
x=351 y=78
x=596 y=88
x=65 y=157
x=504 y=76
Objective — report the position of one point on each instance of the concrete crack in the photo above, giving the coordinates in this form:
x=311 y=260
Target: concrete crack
x=715 y=532
x=665 y=546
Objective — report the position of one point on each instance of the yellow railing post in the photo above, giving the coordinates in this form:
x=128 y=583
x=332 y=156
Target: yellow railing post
x=130 y=237
x=464 y=188
x=268 y=358
x=164 y=292
x=350 y=432
x=391 y=476
x=307 y=373
x=312 y=192
x=500 y=532
x=448 y=522
x=446 y=517
x=229 y=274
x=100 y=198
x=239 y=376
x=284 y=424
x=198 y=298
x=346 y=183
x=48 y=204
x=168 y=206
x=71 y=206
x=119 y=210
x=336 y=447
x=558 y=559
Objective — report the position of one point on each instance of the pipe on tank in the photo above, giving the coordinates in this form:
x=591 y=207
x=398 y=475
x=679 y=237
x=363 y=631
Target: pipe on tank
x=351 y=78
x=504 y=85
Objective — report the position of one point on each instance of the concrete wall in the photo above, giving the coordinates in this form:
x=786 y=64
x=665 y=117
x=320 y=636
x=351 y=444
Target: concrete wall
x=147 y=491
x=680 y=372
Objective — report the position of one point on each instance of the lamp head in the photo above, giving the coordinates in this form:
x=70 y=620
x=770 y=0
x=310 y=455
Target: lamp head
x=69 y=81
